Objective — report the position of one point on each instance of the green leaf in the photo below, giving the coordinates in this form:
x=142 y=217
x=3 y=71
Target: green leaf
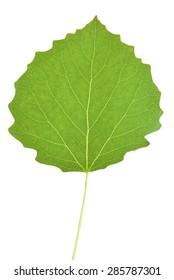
x=85 y=102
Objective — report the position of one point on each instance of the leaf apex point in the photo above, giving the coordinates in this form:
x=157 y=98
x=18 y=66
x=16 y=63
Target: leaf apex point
x=96 y=19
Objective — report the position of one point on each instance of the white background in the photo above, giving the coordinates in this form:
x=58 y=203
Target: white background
x=129 y=211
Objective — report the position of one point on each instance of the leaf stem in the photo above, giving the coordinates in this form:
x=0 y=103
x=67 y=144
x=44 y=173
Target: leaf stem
x=80 y=219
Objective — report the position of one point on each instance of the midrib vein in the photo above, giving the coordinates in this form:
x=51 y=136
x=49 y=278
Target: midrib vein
x=88 y=104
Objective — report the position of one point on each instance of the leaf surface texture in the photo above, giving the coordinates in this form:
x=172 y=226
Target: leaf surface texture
x=86 y=102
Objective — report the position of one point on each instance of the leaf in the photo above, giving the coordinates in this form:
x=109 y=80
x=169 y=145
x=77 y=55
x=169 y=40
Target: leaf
x=86 y=102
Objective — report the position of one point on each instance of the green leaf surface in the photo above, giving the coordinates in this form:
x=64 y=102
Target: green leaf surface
x=86 y=102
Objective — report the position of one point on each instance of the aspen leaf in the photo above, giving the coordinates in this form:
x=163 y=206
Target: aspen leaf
x=86 y=102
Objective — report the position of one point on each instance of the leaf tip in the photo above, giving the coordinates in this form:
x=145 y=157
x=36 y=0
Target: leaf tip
x=95 y=19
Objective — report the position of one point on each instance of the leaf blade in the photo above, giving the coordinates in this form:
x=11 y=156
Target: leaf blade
x=85 y=102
